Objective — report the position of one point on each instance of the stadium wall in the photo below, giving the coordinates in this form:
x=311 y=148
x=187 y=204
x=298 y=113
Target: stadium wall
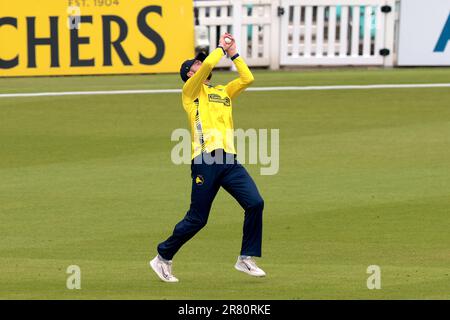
x=79 y=37
x=71 y=37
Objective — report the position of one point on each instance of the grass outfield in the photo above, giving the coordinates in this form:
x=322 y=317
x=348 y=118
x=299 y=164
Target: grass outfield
x=364 y=180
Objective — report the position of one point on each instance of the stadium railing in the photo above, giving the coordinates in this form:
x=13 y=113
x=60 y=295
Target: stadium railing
x=304 y=32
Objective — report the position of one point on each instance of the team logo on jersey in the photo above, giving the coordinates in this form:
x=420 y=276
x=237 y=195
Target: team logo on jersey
x=199 y=180
x=216 y=98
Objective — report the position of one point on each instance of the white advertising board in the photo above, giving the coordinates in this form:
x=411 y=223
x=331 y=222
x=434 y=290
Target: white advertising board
x=424 y=38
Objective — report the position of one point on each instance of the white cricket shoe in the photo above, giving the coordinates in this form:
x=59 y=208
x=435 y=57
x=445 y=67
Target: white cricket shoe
x=163 y=269
x=248 y=265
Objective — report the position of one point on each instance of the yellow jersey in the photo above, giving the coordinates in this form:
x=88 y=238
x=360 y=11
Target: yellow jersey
x=209 y=108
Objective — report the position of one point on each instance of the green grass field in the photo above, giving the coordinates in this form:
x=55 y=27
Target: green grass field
x=364 y=180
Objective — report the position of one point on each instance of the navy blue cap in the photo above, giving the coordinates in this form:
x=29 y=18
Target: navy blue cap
x=186 y=66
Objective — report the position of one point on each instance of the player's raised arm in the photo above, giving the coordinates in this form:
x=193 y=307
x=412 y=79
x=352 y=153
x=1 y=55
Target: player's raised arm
x=192 y=87
x=235 y=87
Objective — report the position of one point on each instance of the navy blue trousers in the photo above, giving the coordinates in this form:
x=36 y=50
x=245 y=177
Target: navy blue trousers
x=207 y=179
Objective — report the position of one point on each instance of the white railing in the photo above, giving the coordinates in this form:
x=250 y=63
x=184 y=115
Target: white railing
x=330 y=32
x=303 y=32
x=249 y=21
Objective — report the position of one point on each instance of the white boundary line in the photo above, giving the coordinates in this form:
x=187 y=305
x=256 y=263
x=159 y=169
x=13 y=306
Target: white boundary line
x=305 y=88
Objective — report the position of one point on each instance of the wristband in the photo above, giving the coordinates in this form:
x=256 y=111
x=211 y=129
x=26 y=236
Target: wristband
x=235 y=56
x=224 y=52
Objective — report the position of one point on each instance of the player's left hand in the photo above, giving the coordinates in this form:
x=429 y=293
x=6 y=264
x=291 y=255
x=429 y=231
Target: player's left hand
x=223 y=43
x=232 y=50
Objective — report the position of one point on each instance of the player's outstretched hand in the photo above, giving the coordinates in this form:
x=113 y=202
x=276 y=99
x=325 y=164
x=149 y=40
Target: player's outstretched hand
x=232 y=50
x=226 y=44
